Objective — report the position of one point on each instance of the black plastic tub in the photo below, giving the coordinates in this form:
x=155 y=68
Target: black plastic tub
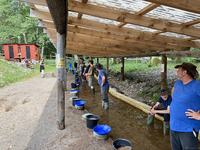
x=75 y=100
x=73 y=85
x=91 y=121
x=121 y=143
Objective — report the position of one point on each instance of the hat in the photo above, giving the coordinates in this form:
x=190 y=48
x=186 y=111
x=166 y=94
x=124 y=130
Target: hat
x=99 y=66
x=190 y=68
x=163 y=92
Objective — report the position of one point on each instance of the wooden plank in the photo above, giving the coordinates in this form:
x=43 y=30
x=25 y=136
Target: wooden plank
x=59 y=14
x=191 y=22
x=147 y=9
x=122 y=38
x=132 y=32
x=38 y=2
x=118 y=37
x=79 y=14
x=123 y=31
x=187 y=5
x=32 y=6
x=60 y=84
x=108 y=42
x=181 y=54
x=121 y=16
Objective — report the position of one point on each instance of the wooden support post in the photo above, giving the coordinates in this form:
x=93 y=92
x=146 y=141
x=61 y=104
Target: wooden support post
x=107 y=66
x=61 y=73
x=97 y=60
x=60 y=18
x=122 y=68
x=164 y=72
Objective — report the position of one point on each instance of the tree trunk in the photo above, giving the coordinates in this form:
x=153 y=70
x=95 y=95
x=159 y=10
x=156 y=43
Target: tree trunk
x=24 y=34
x=42 y=51
x=37 y=35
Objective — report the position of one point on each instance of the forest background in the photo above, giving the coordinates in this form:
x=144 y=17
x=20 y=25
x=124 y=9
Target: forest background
x=16 y=26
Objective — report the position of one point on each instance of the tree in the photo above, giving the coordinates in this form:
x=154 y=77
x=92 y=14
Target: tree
x=17 y=26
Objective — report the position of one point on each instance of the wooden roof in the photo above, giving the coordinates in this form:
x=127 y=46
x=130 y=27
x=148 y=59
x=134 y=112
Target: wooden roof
x=112 y=28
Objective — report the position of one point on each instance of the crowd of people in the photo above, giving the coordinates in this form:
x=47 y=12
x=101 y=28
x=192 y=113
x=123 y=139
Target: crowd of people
x=181 y=109
x=87 y=74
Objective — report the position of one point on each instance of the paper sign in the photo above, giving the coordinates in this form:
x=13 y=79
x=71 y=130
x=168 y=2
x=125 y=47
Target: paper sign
x=61 y=63
x=162 y=68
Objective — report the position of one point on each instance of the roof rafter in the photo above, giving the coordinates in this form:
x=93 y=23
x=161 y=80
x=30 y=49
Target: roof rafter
x=187 y=5
x=117 y=15
x=75 y=29
x=145 y=10
x=107 y=42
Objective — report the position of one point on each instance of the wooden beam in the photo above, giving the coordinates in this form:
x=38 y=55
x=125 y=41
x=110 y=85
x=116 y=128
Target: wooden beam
x=147 y=9
x=142 y=12
x=121 y=38
x=132 y=32
x=32 y=6
x=60 y=94
x=121 y=16
x=187 y=5
x=181 y=54
x=191 y=22
x=118 y=37
x=79 y=14
x=123 y=31
x=37 y=2
x=103 y=41
x=58 y=14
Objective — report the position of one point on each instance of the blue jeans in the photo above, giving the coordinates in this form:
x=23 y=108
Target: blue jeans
x=104 y=95
x=183 y=140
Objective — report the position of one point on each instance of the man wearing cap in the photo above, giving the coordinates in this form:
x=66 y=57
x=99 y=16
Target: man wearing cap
x=103 y=82
x=186 y=95
x=166 y=100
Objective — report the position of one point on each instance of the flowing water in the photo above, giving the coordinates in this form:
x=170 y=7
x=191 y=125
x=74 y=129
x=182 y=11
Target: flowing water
x=125 y=121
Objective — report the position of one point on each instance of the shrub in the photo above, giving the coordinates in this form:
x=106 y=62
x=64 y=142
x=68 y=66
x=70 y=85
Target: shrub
x=178 y=59
x=155 y=62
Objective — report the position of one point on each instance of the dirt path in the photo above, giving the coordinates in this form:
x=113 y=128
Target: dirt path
x=28 y=119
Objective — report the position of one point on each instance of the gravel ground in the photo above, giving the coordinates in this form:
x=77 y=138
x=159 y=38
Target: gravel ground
x=28 y=119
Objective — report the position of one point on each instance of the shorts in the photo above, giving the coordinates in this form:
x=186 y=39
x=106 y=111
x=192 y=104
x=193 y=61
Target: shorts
x=90 y=83
x=75 y=69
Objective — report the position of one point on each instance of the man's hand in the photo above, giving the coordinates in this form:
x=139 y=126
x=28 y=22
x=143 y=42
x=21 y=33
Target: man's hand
x=193 y=114
x=101 y=84
x=153 y=111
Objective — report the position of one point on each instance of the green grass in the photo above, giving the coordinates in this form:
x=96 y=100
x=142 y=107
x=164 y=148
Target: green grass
x=130 y=65
x=11 y=72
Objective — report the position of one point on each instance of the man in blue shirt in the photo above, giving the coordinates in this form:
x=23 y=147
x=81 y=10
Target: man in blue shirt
x=166 y=100
x=186 y=95
x=103 y=82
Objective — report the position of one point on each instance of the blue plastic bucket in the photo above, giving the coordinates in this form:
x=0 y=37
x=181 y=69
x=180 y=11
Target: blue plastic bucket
x=102 y=129
x=80 y=103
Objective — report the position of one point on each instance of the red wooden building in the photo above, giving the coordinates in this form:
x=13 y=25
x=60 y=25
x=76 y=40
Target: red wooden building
x=17 y=52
